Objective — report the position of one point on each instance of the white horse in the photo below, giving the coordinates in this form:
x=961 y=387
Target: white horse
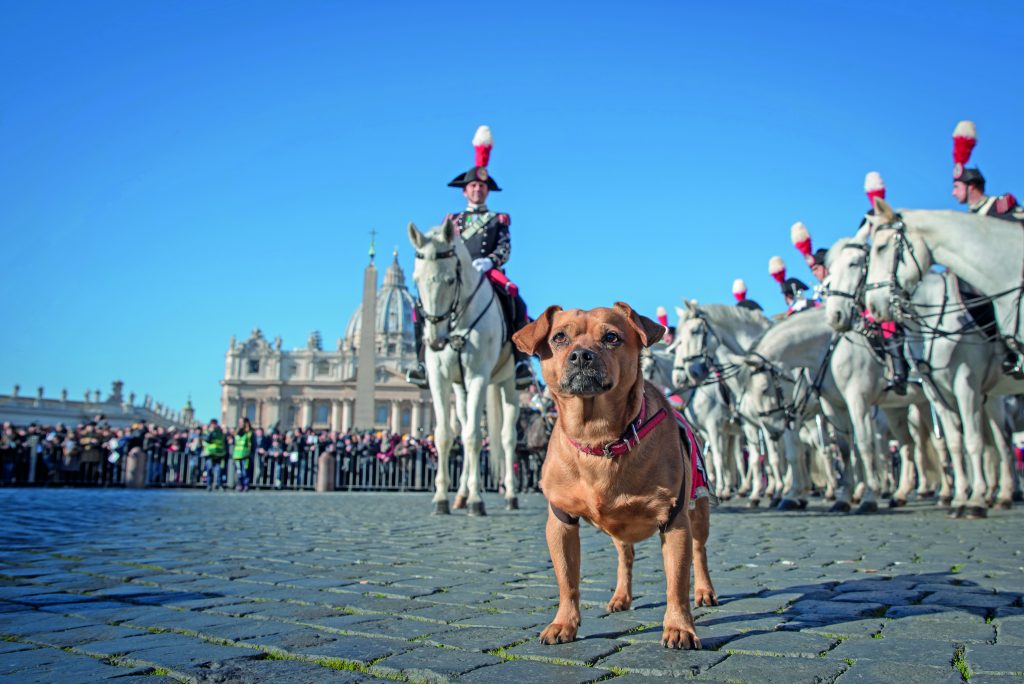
x=847 y=263
x=716 y=337
x=846 y=375
x=464 y=333
x=987 y=252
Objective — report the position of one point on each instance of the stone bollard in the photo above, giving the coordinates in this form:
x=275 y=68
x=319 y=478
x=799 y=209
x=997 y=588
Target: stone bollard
x=135 y=469
x=325 y=472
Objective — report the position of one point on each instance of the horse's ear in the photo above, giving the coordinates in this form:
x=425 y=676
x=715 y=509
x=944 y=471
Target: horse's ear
x=648 y=330
x=532 y=338
x=417 y=238
x=448 y=230
x=691 y=305
x=883 y=211
x=681 y=313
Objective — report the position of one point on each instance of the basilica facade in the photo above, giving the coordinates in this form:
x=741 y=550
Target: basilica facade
x=314 y=387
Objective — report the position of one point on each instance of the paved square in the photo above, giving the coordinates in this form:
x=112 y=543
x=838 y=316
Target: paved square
x=291 y=587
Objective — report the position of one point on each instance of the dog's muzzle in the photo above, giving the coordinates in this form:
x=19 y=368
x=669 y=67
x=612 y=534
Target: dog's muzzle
x=584 y=373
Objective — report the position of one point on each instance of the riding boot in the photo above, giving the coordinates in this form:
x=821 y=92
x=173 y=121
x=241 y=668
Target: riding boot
x=418 y=375
x=899 y=372
x=524 y=371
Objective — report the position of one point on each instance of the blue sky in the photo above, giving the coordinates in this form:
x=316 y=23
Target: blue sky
x=175 y=173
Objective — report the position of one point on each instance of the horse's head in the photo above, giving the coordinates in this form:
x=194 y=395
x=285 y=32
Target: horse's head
x=695 y=346
x=847 y=263
x=438 y=278
x=898 y=261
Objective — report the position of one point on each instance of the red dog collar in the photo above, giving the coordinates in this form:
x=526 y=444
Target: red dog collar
x=636 y=431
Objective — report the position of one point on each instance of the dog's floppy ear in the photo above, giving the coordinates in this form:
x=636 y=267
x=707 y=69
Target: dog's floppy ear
x=533 y=337
x=648 y=330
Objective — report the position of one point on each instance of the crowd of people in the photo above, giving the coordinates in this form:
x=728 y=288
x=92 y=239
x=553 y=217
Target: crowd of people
x=94 y=452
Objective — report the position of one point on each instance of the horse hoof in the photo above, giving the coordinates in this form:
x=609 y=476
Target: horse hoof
x=476 y=509
x=788 y=505
x=512 y=504
x=866 y=507
x=830 y=497
x=1018 y=497
x=441 y=508
x=776 y=500
x=1004 y=505
x=754 y=503
x=975 y=512
x=958 y=512
x=897 y=503
x=944 y=501
x=930 y=494
x=460 y=502
x=803 y=504
x=886 y=495
x=840 y=507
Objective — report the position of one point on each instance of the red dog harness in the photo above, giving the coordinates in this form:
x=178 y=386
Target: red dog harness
x=636 y=431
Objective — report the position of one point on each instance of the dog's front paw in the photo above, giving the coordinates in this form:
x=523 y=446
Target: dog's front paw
x=558 y=633
x=704 y=596
x=619 y=603
x=679 y=637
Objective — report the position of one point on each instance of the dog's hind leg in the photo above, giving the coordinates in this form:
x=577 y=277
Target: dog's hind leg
x=622 y=599
x=700 y=523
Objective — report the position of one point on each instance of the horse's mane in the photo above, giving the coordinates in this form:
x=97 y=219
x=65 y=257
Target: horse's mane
x=839 y=246
x=724 y=313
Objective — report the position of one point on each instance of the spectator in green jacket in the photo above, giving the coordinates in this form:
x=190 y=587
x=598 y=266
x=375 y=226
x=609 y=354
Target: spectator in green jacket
x=240 y=453
x=215 y=450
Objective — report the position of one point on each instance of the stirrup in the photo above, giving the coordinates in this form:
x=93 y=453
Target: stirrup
x=899 y=386
x=1012 y=365
x=417 y=376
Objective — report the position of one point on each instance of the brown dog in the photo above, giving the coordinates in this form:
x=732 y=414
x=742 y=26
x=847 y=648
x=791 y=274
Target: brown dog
x=616 y=460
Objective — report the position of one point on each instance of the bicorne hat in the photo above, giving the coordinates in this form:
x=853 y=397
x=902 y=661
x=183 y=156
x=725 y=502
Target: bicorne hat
x=482 y=144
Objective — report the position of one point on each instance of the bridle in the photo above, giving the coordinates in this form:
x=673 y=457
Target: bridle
x=454 y=313
x=858 y=292
x=902 y=247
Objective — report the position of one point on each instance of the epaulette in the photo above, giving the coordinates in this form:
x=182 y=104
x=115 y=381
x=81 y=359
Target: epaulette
x=1005 y=204
x=504 y=219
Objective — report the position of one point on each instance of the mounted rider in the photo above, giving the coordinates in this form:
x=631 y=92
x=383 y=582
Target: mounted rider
x=893 y=337
x=794 y=290
x=739 y=291
x=801 y=239
x=485 y=234
x=969 y=183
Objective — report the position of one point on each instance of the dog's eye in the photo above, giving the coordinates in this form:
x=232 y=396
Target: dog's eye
x=611 y=338
x=559 y=338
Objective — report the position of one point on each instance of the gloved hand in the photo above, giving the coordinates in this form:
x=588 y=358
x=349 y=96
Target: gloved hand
x=483 y=264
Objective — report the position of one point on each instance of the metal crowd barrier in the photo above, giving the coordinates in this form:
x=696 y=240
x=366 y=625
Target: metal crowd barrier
x=173 y=468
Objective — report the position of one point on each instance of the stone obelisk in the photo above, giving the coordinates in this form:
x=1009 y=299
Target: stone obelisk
x=366 y=370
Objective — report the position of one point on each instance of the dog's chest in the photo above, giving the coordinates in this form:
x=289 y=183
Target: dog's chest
x=628 y=516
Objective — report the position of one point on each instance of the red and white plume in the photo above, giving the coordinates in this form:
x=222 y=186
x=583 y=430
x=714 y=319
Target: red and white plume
x=662 y=315
x=739 y=289
x=965 y=137
x=874 y=186
x=483 y=141
x=801 y=238
x=777 y=269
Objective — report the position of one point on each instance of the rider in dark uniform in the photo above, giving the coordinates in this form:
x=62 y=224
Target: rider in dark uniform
x=486 y=235
x=739 y=291
x=969 y=184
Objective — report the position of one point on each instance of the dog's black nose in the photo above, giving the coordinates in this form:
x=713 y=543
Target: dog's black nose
x=584 y=358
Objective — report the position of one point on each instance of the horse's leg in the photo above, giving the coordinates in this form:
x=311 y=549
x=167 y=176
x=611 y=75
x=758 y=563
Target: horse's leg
x=509 y=406
x=790 y=500
x=775 y=465
x=744 y=474
x=716 y=439
x=902 y=425
x=443 y=437
x=1004 y=453
x=754 y=465
x=971 y=409
x=476 y=388
x=458 y=423
x=864 y=435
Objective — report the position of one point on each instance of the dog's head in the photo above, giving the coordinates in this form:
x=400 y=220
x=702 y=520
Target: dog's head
x=586 y=353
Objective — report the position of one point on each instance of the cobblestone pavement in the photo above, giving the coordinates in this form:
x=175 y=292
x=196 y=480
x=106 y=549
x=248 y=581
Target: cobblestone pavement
x=160 y=586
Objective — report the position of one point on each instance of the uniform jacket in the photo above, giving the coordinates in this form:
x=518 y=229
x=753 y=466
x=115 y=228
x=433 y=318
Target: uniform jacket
x=1002 y=207
x=485 y=234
